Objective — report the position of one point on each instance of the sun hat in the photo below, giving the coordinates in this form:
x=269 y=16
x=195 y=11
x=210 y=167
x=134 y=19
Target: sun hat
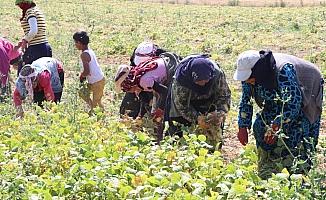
x=121 y=75
x=144 y=51
x=245 y=62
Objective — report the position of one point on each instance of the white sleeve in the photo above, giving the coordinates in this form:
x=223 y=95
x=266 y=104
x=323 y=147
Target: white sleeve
x=33 y=29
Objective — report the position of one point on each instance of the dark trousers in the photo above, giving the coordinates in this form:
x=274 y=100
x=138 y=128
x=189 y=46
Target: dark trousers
x=176 y=129
x=39 y=96
x=34 y=52
x=133 y=106
x=5 y=93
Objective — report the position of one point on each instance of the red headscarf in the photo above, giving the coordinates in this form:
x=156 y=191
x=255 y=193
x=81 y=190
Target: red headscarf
x=137 y=72
x=25 y=6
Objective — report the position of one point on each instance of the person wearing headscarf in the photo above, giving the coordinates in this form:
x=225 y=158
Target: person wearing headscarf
x=42 y=80
x=289 y=91
x=150 y=74
x=9 y=55
x=199 y=94
x=137 y=106
x=34 y=42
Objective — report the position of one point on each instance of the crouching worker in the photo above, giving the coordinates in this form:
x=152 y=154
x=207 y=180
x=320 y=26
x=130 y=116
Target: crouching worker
x=40 y=81
x=151 y=75
x=9 y=55
x=289 y=91
x=137 y=106
x=199 y=94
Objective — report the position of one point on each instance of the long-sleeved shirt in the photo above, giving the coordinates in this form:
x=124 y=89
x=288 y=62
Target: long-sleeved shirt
x=43 y=84
x=189 y=105
x=34 y=26
x=271 y=100
x=281 y=106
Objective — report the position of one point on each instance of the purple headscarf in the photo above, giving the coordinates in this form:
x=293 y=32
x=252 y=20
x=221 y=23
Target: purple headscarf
x=194 y=69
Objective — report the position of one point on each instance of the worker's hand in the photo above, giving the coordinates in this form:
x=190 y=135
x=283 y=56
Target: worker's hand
x=82 y=79
x=243 y=136
x=158 y=115
x=22 y=44
x=201 y=120
x=270 y=136
x=215 y=118
x=19 y=112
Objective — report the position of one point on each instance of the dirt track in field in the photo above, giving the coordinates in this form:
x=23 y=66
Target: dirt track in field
x=276 y=3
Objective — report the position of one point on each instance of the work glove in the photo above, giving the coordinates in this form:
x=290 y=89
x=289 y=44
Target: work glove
x=158 y=115
x=215 y=117
x=270 y=136
x=82 y=79
x=201 y=120
x=243 y=136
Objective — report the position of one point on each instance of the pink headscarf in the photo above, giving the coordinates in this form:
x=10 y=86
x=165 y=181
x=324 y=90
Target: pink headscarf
x=10 y=48
x=8 y=52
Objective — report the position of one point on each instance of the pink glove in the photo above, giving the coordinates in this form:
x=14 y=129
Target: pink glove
x=243 y=136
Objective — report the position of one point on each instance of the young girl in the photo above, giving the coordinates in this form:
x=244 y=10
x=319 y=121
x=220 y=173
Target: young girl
x=91 y=71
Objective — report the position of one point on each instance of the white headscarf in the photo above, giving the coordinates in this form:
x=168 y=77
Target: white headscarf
x=29 y=83
x=121 y=75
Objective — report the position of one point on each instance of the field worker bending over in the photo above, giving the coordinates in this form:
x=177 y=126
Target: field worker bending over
x=40 y=81
x=9 y=55
x=34 y=42
x=151 y=74
x=138 y=105
x=91 y=71
x=199 y=95
x=289 y=92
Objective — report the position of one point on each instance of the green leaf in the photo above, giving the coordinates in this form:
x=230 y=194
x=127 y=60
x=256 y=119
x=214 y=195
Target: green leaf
x=203 y=152
x=202 y=138
x=175 y=178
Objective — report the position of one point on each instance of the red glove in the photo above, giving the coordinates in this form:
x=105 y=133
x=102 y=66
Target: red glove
x=270 y=137
x=81 y=78
x=158 y=114
x=243 y=136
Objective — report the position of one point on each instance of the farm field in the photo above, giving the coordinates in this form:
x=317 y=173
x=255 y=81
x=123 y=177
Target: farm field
x=61 y=153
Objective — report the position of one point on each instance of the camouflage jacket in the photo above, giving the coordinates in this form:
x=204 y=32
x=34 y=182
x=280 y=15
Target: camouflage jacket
x=189 y=105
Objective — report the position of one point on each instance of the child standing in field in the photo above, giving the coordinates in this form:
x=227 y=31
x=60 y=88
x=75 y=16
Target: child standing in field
x=91 y=71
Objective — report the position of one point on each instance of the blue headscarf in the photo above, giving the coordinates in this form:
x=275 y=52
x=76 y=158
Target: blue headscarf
x=196 y=68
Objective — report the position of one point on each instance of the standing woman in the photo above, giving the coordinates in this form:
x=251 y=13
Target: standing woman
x=34 y=42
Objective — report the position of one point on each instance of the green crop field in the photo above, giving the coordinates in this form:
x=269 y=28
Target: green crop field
x=61 y=153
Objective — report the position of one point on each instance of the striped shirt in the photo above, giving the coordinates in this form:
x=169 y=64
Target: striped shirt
x=41 y=26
